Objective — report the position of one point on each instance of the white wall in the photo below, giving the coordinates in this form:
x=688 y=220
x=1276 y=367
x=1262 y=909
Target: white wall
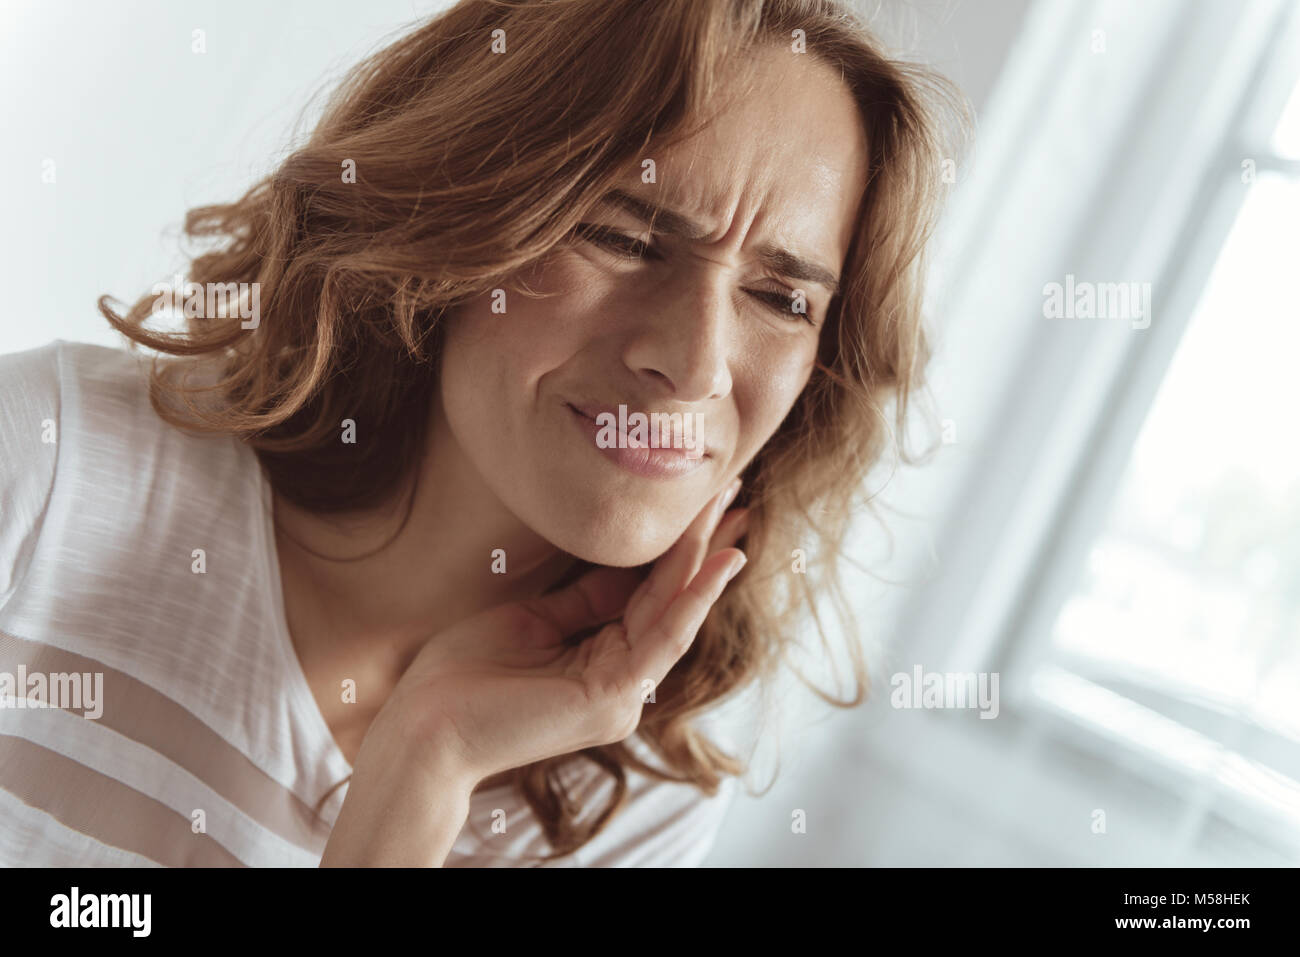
x=141 y=129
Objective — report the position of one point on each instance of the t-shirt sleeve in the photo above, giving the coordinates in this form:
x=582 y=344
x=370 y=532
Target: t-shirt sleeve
x=29 y=437
x=662 y=824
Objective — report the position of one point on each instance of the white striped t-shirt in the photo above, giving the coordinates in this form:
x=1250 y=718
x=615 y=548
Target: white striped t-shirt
x=202 y=744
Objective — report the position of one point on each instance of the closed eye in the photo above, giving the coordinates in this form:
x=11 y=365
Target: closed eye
x=780 y=302
x=634 y=250
x=613 y=240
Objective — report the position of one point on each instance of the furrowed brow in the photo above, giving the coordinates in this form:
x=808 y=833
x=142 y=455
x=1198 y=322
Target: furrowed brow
x=785 y=263
x=665 y=221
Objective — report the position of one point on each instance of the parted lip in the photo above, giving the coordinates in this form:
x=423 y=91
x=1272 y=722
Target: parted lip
x=591 y=410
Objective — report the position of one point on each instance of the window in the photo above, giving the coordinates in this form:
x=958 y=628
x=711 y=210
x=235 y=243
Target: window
x=1180 y=638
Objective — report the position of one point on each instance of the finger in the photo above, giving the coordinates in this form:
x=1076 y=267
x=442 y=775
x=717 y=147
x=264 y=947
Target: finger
x=678 y=565
x=598 y=596
x=685 y=564
x=730 y=530
x=655 y=652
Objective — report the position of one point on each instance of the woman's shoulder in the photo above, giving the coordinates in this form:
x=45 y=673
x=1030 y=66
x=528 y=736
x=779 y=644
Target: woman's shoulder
x=40 y=370
x=63 y=386
x=29 y=399
x=84 y=411
x=98 y=395
x=30 y=412
x=84 y=457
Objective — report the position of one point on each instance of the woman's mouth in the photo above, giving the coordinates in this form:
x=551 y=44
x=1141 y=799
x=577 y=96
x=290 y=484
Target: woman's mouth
x=681 y=454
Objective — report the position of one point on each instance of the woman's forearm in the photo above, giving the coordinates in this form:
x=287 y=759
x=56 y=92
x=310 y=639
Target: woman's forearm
x=400 y=810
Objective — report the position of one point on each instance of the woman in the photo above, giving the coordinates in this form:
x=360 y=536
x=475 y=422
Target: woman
x=376 y=565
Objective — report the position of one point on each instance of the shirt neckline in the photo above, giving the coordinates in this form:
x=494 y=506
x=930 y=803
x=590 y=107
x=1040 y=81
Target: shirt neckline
x=298 y=687
x=297 y=678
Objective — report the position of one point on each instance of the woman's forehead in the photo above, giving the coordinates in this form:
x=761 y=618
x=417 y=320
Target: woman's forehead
x=790 y=146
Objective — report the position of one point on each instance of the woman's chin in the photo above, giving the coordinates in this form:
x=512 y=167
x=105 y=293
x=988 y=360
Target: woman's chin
x=616 y=544
x=618 y=555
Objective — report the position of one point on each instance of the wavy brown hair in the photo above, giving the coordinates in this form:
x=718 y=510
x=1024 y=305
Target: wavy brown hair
x=471 y=164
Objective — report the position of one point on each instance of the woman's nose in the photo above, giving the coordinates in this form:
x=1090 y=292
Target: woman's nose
x=683 y=343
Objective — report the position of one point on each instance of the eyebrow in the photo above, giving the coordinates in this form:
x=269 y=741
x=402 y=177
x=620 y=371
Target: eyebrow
x=665 y=221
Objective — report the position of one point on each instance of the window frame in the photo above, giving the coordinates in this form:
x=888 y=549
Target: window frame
x=1007 y=564
x=1025 y=647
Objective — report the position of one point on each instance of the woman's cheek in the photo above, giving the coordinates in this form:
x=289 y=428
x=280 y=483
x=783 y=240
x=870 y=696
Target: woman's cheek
x=773 y=384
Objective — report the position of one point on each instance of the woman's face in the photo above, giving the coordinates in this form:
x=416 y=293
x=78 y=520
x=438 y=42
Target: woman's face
x=702 y=323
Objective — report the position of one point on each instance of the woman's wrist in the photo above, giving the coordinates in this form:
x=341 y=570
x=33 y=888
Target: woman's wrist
x=407 y=802
x=405 y=826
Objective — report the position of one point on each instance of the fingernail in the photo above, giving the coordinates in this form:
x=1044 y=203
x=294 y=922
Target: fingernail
x=732 y=489
x=727 y=496
x=737 y=565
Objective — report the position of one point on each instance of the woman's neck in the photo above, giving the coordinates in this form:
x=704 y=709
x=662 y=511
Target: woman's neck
x=458 y=552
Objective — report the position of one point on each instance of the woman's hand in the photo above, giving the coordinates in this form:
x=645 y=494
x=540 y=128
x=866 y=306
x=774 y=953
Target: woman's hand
x=505 y=688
